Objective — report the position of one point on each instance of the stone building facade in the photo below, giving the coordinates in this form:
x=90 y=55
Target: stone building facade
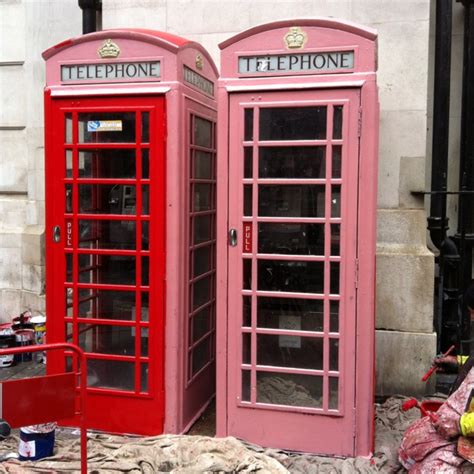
x=405 y=266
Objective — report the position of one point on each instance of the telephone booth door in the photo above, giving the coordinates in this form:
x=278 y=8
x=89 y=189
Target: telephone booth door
x=292 y=260
x=105 y=252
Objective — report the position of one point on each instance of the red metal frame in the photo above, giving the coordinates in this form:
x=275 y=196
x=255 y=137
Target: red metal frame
x=142 y=410
x=49 y=405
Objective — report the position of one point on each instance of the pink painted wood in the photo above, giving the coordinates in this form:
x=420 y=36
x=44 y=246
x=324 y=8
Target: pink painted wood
x=348 y=429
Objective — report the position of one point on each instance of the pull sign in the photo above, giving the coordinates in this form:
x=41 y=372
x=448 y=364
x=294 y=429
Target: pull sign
x=247 y=237
x=68 y=233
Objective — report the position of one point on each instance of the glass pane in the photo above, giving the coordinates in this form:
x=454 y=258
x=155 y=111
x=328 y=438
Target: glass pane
x=290 y=313
x=145 y=271
x=68 y=128
x=333 y=354
x=110 y=269
x=333 y=393
x=69 y=294
x=105 y=339
x=335 y=239
x=293 y=239
x=144 y=378
x=248 y=125
x=107 y=164
x=292 y=162
x=245 y=385
x=94 y=234
x=203 y=165
x=337 y=127
x=144 y=341
x=106 y=304
x=290 y=389
x=145 y=163
x=334 y=316
x=248 y=162
x=202 y=132
x=69 y=267
x=68 y=192
x=246 y=347
x=145 y=235
x=145 y=307
x=334 y=278
x=336 y=161
x=247 y=199
x=247 y=311
x=202 y=260
x=107 y=199
x=247 y=281
x=101 y=127
x=145 y=127
x=68 y=163
x=290 y=351
x=336 y=201
x=145 y=199
x=291 y=200
x=202 y=197
x=293 y=123
x=201 y=292
x=111 y=374
x=202 y=229
x=201 y=323
x=302 y=277
x=201 y=355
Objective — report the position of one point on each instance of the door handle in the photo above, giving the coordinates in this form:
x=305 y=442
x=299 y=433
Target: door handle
x=233 y=237
x=56 y=233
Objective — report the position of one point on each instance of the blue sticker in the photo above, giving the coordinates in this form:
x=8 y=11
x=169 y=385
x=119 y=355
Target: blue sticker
x=93 y=125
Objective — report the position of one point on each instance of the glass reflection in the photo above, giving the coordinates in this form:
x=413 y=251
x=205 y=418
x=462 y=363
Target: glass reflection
x=293 y=123
x=113 y=374
x=292 y=162
x=290 y=389
x=109 y=269
x=202 y=132
x=102 y=234
x=107 y=199
x=291 y=200
x=108 y=163
x=107 y=339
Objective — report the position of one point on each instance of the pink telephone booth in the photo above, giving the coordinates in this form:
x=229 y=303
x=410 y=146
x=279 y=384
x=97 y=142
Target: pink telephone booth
x=130 y=224
x=298 y=139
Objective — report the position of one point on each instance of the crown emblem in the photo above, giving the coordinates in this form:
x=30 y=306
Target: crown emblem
x=199 y=62
x=295 y=38
x=109 y=49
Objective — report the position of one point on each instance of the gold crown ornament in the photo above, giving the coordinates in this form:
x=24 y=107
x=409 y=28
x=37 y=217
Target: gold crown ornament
x=199 y=62
x=109 y=49
x=295 y=38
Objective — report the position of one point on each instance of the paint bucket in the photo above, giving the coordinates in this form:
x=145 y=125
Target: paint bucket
x=5 y=343
x=35 y=446
x=24 y=337
x=39 y=327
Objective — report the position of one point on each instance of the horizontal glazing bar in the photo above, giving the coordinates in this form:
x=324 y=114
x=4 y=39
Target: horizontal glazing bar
x=293 y=220
x=295 y=257
x=104 y=145
x=110 y=322
x=133 y=253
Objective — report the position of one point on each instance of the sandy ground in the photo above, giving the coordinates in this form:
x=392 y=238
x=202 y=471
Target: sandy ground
x=199 y=453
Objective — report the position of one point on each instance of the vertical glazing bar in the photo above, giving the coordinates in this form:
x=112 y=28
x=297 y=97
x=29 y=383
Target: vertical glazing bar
x=75 y=235
x=327 y=253
x=138 y=247
x=254 y=275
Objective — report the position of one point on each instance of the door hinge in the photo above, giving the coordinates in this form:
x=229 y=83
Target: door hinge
x=359 y=124
x=356 y=273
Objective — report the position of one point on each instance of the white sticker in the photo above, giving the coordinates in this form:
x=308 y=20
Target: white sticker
x=27 y=449
x=292 y=323
x=104 y=126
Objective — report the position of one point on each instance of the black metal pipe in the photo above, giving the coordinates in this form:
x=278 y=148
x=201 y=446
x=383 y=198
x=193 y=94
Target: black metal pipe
x=437 y=221
x=91 y=9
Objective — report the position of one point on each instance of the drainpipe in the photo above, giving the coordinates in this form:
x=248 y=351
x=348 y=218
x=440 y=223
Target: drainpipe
x=465 y=234
x=437 y=221
x=447 y=318
x=91 y=15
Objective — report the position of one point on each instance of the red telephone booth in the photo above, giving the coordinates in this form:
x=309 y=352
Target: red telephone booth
x=130 y=224
x=298 y=137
